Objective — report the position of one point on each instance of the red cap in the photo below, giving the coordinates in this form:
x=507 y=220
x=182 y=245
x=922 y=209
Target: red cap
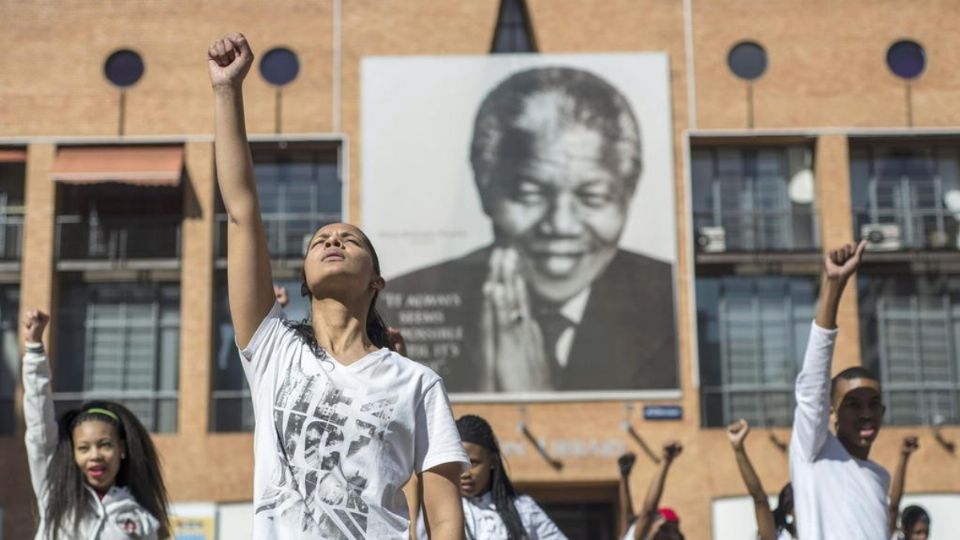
x=669 y=514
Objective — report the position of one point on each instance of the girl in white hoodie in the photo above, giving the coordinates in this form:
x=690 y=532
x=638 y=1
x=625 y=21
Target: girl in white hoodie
x=96 y=474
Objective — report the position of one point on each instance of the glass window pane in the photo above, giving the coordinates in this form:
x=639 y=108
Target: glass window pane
x=120 y=341
x=910 y=325
x=755 y=198
x=752 y=331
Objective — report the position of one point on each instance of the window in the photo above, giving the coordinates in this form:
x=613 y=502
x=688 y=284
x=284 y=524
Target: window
x=120 y=341
x=754 y=219
x=906 y=196
x=910 y=335
x=514 y=32
x=12 y=176
x=9 y=355
x=232 y=407
x=752 y=335
x=300 y=191
x=753 y=199
x=299 y=187
x=119 y=223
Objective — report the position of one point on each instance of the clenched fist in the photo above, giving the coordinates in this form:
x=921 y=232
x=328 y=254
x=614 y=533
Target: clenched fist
x=34 y=324
x=228 y=60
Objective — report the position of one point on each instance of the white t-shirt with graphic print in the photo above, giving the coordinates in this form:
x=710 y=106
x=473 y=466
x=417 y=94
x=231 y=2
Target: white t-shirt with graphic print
x=334 y=444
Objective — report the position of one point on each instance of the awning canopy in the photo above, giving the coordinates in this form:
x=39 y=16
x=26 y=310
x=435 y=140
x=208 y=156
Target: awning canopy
x=139 y=165
x=12 y=155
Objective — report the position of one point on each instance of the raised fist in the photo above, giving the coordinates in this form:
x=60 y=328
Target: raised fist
x=671 y=449
x=34 y=324
x=625 y=463
x=840 y=264
x=737 y=433
x=282 y=297
x=909 y=446
x=228 y=60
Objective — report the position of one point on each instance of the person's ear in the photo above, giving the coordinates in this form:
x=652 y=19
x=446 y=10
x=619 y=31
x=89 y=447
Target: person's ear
x=378 y=283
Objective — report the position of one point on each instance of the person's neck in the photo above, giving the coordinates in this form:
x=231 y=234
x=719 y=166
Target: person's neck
x=859 y=452
x=102 y=492
x=340 y=329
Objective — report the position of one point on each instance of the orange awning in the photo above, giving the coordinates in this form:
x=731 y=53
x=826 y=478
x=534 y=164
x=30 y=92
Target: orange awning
x=12 y=155
x=140 y=165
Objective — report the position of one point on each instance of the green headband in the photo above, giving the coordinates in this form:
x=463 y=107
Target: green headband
x=105 y=412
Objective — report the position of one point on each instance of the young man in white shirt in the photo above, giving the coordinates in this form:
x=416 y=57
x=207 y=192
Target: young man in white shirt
x=838 y=491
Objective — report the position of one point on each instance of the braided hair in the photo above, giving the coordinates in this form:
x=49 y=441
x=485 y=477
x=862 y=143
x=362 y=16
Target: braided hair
x=476 y=430
x=784 y=508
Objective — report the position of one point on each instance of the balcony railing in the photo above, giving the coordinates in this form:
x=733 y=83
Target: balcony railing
x=908 y=229
x=118 y=240
x=758 y=230
x=11 y=237
x=286 y=232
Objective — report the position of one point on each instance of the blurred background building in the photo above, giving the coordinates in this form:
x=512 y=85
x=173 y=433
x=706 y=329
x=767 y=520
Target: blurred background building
x=797 y=126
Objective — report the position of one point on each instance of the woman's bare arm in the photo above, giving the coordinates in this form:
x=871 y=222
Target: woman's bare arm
x=443 y=511
x=766 y=527
x=249 y=279
x=908 y=447
x=648 y=512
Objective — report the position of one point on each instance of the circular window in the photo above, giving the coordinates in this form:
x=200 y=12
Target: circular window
x=123 y=68
x=747 y=60
x=906 y=59
x=280 y=66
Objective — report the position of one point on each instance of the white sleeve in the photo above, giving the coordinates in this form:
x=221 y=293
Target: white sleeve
x=539 y=524
x=41 y=427
x=437 y=440
x=811 y=418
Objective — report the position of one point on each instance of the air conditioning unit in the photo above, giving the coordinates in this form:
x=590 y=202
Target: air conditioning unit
x=712 y=239
x=882 y=236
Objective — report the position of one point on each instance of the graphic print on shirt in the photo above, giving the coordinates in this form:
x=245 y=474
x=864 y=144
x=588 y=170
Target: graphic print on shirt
x=325 y=456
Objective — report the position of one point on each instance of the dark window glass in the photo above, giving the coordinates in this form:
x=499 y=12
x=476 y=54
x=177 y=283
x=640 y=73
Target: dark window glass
x=280 y=66
x=910 y=337
x=120 y=341
x=752 y=332
x=118 y=222
x=300 y=191
x=9 y=355
x=906 y=59
x=754 y=199
x=514 y=32
x=232 y=407
x=906 y=196
x=123 y=68
x=12 y=177
x=747 y=60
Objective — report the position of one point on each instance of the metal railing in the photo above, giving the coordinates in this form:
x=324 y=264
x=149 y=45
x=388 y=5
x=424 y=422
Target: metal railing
x=11 y=237
x=87 y=238
x=910 y=228
x=286 y=232
x=156 y=409
x=757 y=230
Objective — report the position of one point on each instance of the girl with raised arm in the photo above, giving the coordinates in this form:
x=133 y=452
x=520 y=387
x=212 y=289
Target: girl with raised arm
x=771 y=524
x=95 y=474
x=341 y=421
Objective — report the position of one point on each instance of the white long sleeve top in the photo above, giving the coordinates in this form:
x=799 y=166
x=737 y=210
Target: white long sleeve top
x=836 y=496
